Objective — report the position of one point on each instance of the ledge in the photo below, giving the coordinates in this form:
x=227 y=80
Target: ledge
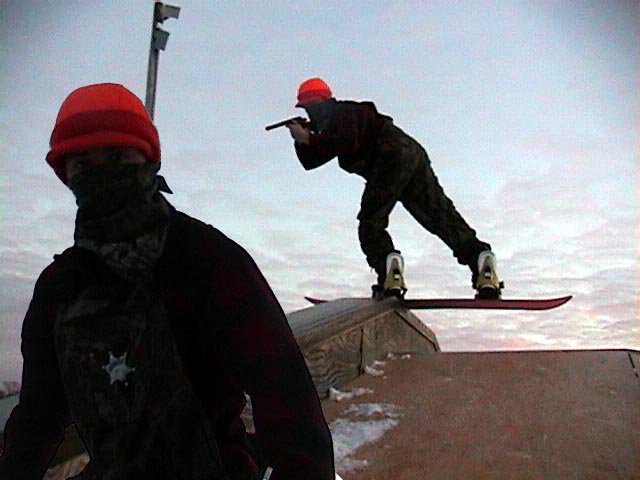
x=339 y=338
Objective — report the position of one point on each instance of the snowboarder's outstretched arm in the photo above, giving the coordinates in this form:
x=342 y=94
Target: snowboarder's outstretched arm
x=349 y=132
x=35 y=428
x=340 y=137
x=311 y=157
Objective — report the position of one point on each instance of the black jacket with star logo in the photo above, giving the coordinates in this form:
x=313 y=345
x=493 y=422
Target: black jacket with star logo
x=231 y=337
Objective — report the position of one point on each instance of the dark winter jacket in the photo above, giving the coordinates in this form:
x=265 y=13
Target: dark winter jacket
x=350 y=131
x=232 y=337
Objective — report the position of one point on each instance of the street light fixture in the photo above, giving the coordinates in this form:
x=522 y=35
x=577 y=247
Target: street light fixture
x=159 y=38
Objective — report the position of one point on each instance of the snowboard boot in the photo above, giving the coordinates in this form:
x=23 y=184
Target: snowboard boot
x=486 y=280
x=394 y=281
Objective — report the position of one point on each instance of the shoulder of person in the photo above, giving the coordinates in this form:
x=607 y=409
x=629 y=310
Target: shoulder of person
x=364 y=104
x=69 y=271
x=365 y=109
x=71 y=259
x=194 y=239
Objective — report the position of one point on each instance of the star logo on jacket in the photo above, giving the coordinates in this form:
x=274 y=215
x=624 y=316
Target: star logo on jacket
x=118 y=369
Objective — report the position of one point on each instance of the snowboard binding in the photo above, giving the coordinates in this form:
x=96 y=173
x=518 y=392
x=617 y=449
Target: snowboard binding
x=487 y=284
x=393 y=285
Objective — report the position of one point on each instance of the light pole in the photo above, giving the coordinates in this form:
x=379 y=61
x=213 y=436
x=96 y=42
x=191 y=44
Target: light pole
x=159 y=39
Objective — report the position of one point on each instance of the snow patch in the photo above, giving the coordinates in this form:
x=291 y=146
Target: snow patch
x=373 y=409
x=373 y=371
x=338 y=396
x=393 y=356
x=349 y=434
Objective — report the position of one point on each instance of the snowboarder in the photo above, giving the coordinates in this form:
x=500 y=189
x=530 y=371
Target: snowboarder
x=149 y=330
x=396 y=168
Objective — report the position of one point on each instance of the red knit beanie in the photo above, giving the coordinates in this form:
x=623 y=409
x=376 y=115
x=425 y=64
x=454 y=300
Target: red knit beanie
x=313 y=90
x=100 y=116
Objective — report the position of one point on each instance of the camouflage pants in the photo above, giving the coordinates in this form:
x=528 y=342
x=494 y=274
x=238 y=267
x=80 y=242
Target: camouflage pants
x=402 y=172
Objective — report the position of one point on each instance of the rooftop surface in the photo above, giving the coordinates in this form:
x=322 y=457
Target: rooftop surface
x=497 y=415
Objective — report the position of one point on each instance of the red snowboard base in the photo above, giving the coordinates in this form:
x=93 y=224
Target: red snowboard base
x=478 y=303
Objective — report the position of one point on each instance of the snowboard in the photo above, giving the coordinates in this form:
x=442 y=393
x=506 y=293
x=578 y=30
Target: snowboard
x=476 y=303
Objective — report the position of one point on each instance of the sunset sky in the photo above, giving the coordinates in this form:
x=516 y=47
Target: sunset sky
x=528 y=109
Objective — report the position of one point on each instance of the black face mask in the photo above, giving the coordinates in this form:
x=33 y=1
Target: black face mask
x=121 y=216
x=321 y=113
x=115 y=202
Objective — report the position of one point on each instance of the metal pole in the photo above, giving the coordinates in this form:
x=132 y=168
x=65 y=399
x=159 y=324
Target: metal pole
x=159 y=39
x=152 y=69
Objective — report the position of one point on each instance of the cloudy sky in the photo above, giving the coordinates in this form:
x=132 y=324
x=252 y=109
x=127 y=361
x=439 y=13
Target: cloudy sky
x=529 y=112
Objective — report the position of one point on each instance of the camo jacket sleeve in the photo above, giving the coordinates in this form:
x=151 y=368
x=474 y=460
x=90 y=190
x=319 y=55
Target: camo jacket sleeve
x=36 y=425
x=350 y=135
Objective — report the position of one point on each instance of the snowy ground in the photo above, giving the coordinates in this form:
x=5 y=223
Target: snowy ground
x=360 y=423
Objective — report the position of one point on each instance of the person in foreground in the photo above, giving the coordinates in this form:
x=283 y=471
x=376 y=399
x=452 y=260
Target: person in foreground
x=149 y=330
x=396 y=168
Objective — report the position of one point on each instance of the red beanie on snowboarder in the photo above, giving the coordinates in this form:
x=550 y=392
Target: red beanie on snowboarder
x=313 y=90
x=100 y=116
